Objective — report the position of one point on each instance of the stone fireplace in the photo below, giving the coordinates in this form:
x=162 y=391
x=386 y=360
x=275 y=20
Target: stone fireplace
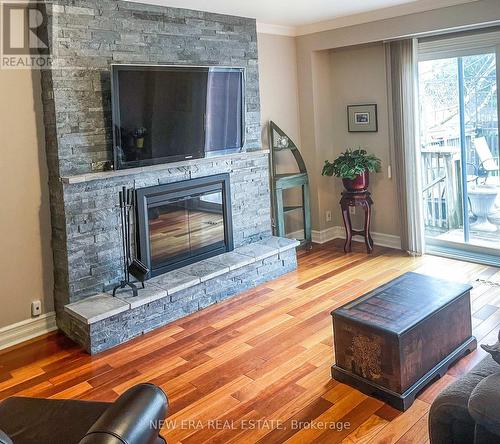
x=184 y=222
x=198 y=269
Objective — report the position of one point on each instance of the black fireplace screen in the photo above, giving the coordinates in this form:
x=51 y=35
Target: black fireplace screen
x=183 y=222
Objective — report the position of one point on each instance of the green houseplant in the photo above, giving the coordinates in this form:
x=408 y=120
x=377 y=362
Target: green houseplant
x=353 y=167
x=139 y=134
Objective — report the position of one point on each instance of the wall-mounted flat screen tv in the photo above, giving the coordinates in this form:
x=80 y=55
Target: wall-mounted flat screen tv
x=170 y=113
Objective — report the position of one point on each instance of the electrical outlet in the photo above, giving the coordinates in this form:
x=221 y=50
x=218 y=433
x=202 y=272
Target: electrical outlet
x=352 y=211
x=328 y=216
x=36 y=308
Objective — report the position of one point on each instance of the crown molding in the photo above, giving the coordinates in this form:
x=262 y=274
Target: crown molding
x=358 y=19
x=267 y=28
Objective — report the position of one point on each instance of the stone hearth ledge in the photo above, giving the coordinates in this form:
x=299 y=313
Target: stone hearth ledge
x=102 y=306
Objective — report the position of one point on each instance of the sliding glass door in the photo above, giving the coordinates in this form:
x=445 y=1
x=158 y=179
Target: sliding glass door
x=459 y=151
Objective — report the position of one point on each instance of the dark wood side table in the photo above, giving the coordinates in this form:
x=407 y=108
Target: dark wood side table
x=357 y=199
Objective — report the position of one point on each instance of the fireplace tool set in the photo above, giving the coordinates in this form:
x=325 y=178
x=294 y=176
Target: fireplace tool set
x=131 y=265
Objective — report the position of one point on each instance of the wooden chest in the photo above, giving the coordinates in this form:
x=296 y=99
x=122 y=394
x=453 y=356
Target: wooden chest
x=394 y=340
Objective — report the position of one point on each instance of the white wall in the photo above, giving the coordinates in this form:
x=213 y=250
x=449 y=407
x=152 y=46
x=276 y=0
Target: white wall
x=26 y=255
x=279 y=102
x=279 y=96
x=358 y=76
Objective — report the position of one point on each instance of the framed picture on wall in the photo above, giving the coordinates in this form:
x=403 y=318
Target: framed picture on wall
x=362 y=118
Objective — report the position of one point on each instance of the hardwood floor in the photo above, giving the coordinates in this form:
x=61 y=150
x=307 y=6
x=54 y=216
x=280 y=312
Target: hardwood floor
x=256 y=368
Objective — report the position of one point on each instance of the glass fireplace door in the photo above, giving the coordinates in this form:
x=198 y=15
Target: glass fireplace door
x=185 y=227
x=180 y=223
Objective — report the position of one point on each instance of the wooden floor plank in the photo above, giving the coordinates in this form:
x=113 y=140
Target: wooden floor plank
x=256 y=368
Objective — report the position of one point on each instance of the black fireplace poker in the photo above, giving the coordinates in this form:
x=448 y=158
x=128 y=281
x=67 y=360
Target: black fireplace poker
x=130 y=264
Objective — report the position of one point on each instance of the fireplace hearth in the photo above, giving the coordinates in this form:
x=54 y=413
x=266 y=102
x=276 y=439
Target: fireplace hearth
x=183 y=222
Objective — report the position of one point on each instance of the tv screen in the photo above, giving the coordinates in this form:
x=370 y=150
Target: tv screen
x=170 y=113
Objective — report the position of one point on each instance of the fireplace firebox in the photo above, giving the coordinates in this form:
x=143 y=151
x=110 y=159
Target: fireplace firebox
x=183 y=222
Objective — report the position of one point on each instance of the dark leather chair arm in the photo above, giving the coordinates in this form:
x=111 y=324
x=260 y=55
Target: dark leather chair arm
x=484 y=403
x=134 y=418
x=4 y=439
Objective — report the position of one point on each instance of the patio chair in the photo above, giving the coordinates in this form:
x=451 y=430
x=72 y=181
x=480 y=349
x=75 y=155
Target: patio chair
x=489 y=164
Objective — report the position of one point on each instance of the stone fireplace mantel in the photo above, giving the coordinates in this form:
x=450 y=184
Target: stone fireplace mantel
x=88 y=177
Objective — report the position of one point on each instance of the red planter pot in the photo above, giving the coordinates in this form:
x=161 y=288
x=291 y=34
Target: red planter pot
x=359 y=184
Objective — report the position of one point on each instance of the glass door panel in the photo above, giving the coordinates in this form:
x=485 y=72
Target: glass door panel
x=168 y=231
x=459 y=151
x=440 y=152
x=206 y=219
x=186 y=227
x=481 y=126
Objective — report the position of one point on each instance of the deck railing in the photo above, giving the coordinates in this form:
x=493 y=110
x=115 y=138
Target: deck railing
x=441 y=178
x=441 y=173
x=435 y=165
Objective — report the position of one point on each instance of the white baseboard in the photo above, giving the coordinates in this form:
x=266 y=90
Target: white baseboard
x=299 y=234
x=387 y=240
x=319 y=237
x=28 y=329
x=337 y=232
x=322 y=236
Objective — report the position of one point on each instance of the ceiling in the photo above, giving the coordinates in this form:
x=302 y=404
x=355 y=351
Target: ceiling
x=297 y=14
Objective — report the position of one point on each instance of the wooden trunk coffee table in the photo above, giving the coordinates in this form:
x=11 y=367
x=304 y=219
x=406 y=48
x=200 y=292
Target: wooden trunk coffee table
x=394 y=340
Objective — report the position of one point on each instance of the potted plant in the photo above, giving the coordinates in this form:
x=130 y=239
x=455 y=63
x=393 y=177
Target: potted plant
x=139 y=134
x=353 y=167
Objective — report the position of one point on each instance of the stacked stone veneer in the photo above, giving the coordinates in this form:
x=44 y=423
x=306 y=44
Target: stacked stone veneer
x=92 y=217
x=86 y=37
